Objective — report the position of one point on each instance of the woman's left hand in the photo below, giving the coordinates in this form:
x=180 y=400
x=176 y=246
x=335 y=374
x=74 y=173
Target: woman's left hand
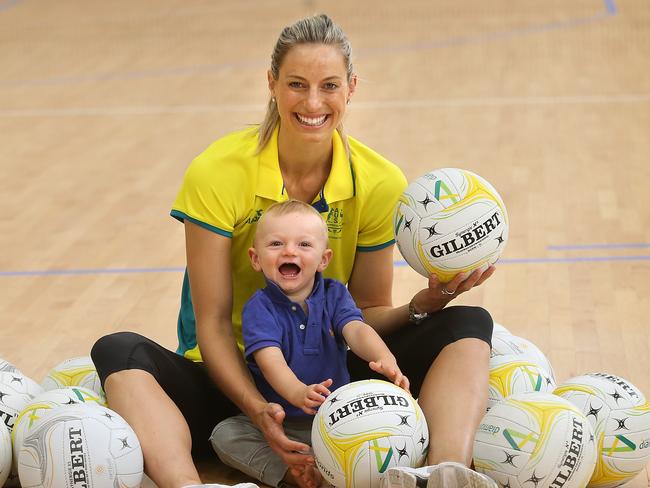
x=439 y=294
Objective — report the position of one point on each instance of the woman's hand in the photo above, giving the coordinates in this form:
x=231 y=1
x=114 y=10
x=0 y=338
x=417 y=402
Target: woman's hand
x=269 y=420
x=439 y=294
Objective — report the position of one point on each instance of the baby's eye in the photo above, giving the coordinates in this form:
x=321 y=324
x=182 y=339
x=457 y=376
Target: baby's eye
x=305 y=244
x=275 y=243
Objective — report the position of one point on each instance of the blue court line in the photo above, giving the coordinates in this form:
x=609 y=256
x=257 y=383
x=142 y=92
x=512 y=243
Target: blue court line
x=7 y=4
x=572 y=247
x=397 y=264
x=593 y=259
x=90 y=271
x=609 y=11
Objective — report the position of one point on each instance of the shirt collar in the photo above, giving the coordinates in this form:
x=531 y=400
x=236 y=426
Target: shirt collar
x=275 y=293
x=339 y=185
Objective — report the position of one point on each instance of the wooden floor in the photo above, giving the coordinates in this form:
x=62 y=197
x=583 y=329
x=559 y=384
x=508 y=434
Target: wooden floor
x=103 y=105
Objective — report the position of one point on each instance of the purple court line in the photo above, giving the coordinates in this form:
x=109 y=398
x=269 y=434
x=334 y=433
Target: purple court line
x=573 y=247
x=397 y=264
x=610 y=10
x=7 y=4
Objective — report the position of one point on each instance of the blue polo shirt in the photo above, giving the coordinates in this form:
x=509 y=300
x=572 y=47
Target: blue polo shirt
x=312 y=344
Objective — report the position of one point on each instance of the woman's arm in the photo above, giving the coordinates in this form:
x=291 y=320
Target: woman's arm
x=371 y=285
x=208 y=264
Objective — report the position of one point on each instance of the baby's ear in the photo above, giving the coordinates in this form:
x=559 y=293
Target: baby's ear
x=325 y=260
x=255 y=259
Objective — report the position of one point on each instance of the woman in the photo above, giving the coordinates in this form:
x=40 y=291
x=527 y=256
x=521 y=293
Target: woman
x=299 y=151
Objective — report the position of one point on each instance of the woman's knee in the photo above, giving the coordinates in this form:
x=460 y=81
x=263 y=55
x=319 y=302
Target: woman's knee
x=111 y=353
x=465 y=322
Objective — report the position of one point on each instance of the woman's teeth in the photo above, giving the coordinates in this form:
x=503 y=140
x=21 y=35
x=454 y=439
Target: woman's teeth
x=311 y=121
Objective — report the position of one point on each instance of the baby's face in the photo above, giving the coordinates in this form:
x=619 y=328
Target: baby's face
x=290 y=249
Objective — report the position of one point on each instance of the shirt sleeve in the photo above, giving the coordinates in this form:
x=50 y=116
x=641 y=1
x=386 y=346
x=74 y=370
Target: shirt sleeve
x=259 y=326
x=341 y=306
x=385 y=184
x=204 y=200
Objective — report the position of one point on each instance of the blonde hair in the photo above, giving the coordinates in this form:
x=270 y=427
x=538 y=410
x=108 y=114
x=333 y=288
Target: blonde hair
x=291 y=206
x=317 y=29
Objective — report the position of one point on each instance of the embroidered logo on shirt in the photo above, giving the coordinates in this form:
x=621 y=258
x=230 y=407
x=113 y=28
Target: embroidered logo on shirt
x=335 y=222
x=254 y=218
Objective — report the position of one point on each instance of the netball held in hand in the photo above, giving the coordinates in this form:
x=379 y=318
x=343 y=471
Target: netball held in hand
x=450 y=221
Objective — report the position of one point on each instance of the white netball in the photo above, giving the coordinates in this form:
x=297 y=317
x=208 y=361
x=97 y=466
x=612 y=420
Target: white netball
x=450 y=221
x=48 y=400
x=16 y=390
x=5 y=455
x=506 y=344
x=620 y=416
x=78 y=371
x=80 y=445
x=7 y=366
x=510 y=374
x=535 y=440
x=364 y=428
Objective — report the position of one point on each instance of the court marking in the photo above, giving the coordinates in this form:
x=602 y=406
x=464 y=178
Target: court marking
x=610 y=10
x=397 y=264
x=368 y=105
x=7 y=4
x=573 y=247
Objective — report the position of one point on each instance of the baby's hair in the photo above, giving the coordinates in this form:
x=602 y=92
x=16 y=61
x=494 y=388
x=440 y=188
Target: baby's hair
x=292 y=206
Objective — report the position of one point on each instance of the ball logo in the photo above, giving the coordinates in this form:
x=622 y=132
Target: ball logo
x=617 y=381
x=77 y=462
x=358 y=406
x=573 y=456
x=472 y=237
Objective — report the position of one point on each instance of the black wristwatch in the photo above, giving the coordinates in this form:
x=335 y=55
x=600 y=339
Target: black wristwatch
x=414 y=316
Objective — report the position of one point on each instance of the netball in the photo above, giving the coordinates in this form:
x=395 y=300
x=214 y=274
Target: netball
x=364 y=428
x=450 y=221
x=535 y=439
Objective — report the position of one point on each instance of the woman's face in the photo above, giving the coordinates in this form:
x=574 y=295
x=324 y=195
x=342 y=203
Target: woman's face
x=311 y=91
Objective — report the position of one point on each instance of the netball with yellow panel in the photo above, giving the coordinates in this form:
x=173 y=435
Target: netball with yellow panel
x=535 y=440
x=450 y=221
x=620 y=417
x=364 y=428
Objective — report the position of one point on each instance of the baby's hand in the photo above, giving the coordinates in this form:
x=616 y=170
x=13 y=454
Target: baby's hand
x=388 y=367
x=314 y=395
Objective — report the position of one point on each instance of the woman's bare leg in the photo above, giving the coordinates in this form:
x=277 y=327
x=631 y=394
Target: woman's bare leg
x=453 y=398
x=161 y=428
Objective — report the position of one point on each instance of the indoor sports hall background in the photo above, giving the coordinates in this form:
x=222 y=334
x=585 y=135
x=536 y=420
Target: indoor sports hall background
x=104 y=104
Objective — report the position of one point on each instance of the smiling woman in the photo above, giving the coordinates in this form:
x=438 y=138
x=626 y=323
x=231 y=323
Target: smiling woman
x=298 y=152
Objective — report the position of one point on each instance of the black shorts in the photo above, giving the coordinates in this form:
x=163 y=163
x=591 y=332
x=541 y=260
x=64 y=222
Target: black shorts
x=203 y=405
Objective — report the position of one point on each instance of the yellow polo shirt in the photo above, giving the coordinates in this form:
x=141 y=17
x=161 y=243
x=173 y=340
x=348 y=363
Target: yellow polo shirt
x=228 y=187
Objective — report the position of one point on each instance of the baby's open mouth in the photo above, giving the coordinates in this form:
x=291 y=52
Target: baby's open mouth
x=289 y=269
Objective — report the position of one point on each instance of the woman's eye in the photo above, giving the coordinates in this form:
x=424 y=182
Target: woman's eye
x=331 y=86
x=295 y=84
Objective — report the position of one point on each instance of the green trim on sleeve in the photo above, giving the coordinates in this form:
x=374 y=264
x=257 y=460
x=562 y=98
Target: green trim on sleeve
x=182 y=217
x=375 y=248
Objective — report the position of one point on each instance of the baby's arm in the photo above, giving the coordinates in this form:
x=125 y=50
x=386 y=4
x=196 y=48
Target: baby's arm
x=277 y=372
x=367 y=344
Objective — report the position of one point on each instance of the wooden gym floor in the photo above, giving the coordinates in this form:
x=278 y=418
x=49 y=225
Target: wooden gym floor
x=103 y=105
